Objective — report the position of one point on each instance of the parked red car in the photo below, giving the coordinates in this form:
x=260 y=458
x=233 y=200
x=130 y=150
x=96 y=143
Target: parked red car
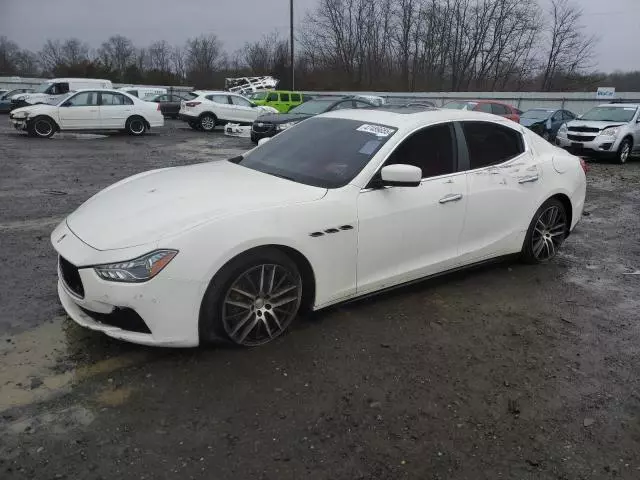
x=487 y=106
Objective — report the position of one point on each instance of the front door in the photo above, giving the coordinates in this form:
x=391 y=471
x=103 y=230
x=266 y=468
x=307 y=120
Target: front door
x=406 y=233
x=503 y=187
x=80 y=111
x=244 y=111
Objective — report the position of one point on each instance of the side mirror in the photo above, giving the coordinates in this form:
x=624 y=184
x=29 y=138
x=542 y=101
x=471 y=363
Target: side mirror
x=401 y=176
x=65 y=104
x=264 y=140
x=253 y=105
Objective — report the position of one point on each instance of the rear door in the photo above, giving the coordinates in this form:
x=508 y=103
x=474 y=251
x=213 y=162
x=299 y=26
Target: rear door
x=504 y=183
x=80 y=111
x=115 y=108
x=223 y=109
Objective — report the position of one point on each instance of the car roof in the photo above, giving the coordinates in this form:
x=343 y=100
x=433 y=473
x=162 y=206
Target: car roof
x=620 y=105
x=408 y=119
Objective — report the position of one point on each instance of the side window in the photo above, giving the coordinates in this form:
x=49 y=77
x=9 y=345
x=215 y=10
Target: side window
x=284 y=97
x=272 y=97
x=557 y=116
x=430 y=149
x=243 y=102
x=490 y=143
x=343 y=105
x=83 y=99
x=484 y=107
x=218 y=99
x=110 y=99
x=362 y=105
x=498 y=109
x=567 y=115
x=295 y=97
x=162 y=98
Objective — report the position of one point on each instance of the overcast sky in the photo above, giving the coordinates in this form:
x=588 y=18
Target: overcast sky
x=30 y=22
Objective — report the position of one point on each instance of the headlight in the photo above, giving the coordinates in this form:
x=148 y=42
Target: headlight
x=20 y=115
x=563 y=128
x=284 y=126
x=610 y=132
x=139 y=269
x=22 y=98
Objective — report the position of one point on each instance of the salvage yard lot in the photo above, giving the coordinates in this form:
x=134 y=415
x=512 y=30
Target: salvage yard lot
x=508 y=371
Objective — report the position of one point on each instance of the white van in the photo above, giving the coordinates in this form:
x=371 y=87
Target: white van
x=53 y=90
x=144 y=93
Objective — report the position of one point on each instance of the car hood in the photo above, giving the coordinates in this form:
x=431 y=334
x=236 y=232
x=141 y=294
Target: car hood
x=282 y=118
x=593 y=124
x=160 y=203
x=33 y=110
x=527 y=122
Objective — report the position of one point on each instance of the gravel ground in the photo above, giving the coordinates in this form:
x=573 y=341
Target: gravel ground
x=508 y=371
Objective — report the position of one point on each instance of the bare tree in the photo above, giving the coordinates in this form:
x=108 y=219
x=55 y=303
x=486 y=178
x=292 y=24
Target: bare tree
x=56 y=55
x=204 y=57
x=178 y=62
x=8 y=52
x=159 y=56
x=117 y=54
x=569 y=49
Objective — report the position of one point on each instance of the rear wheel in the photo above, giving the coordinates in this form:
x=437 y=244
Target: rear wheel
x=624 y=151
x=208 y=122
x=41 y=127
x=546 y=233
x=253 y=299
x=136 y=126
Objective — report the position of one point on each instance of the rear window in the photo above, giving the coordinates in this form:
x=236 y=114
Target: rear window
x=295 y=97
x=189 y=95
x=323 y=152
x=284 y=97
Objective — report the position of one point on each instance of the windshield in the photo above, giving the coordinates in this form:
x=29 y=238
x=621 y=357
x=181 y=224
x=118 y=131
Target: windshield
x=42 y=88
x=460 y=105
x=537 y=114
x=63 y=98
x=610 y=114
x=312 y=107
x=258 y=96
x=323 y=152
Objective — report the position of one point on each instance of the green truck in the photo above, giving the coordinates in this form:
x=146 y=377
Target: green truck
x=281 y=100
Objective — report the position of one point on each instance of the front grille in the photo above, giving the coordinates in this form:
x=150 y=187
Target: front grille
x=71 y=276
x=124 y=318
x=580 y=138
x=584 y=129
x=259 y=127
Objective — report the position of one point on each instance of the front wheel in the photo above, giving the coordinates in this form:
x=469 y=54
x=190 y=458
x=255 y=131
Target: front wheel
x=253 y=299
x=624 y=151
x=546 y=233
x=135 y=126
x=41 y=127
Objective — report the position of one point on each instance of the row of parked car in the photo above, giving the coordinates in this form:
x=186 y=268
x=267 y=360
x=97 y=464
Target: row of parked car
x=609 y=130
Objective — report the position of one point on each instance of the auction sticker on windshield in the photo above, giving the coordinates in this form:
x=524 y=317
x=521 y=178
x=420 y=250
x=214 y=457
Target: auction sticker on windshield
x=377 y=130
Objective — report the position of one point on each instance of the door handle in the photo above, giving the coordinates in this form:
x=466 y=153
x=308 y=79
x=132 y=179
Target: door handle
x=452 y=197
x=529 y=179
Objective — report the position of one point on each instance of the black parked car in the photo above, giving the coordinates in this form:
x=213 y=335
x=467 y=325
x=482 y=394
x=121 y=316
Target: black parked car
x=545 y=122
x=5 y=99
x=274 y=123
x=169 y=103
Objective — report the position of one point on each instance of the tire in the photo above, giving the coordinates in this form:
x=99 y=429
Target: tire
x=546 y=233
x=135 y=126
x=208 y=122
x=42 y=127
x=624 y=151
x=252 y=300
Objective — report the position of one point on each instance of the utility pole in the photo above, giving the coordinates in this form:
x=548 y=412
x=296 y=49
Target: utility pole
x=293 y=67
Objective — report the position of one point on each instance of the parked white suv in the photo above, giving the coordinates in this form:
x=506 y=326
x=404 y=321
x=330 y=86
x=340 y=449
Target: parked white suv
x=610 y=130
x=55 y=89
x=210 y=108
x=94 y=109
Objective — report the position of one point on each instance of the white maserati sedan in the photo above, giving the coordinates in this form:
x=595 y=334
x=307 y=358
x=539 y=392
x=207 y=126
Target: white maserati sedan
x=91 y=109
x=342 y=205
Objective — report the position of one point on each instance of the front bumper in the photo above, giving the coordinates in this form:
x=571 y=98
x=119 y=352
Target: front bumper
x=600 y=146
x=18 y=123
x=259 y=133
x=161 y=312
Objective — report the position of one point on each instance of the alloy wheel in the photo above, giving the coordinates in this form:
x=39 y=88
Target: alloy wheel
x=260 y=304
x=549 y=233
x=624 y=152
x=207 y=123
x=136 y=126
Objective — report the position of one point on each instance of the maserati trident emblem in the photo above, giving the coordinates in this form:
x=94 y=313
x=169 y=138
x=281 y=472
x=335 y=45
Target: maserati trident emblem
x=61 y=238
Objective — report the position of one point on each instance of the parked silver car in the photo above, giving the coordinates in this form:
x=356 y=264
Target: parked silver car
x=610 y=130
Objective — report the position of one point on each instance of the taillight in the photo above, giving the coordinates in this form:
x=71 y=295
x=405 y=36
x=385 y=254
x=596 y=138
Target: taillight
x=584 y=165
x=158 y=107
x=192 y=104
